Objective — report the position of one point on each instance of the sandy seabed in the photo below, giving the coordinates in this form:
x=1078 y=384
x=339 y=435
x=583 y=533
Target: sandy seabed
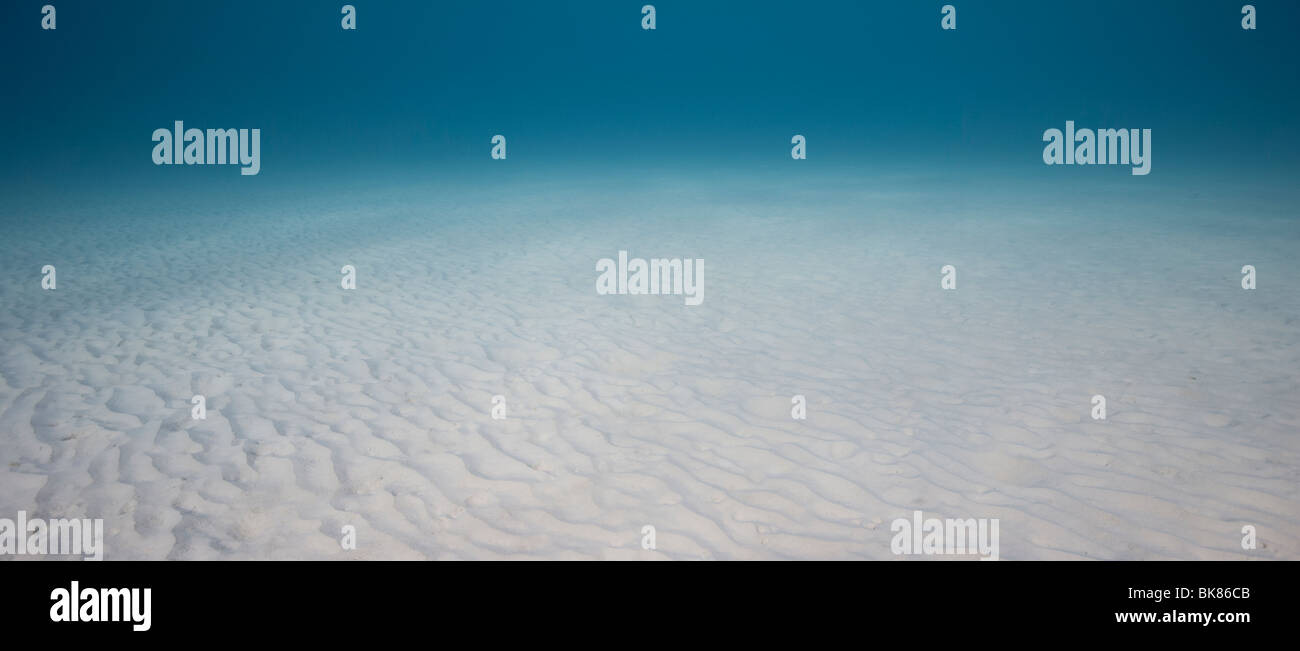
x=371 y=407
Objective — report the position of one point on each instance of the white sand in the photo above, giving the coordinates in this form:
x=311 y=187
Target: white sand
x=371 y=407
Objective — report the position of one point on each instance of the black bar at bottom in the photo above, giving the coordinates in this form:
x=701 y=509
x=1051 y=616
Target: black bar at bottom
x=543 y=603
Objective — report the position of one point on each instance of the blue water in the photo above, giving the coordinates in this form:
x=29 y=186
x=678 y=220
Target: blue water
x=420 y=87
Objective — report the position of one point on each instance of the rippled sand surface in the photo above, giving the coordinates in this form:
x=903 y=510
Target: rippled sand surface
x=371 y=407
